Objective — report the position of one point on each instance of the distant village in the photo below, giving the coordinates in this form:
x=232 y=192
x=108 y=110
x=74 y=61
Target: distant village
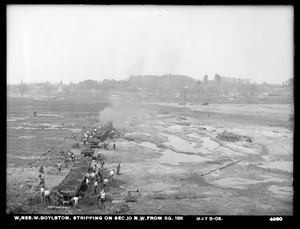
x=169 y=87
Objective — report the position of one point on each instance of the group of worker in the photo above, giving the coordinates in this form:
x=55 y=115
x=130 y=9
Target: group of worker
x=66 y=162
x=45 y=193
x=95 y=176
x=89 y=134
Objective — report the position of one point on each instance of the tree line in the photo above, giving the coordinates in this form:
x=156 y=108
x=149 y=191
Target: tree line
x=170 y=85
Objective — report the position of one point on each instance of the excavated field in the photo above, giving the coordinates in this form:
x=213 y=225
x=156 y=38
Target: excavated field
x=169 y=152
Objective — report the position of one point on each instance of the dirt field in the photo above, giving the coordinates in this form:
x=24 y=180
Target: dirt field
x=170 y=153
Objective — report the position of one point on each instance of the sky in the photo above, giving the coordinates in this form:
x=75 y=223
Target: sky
x=72 y=43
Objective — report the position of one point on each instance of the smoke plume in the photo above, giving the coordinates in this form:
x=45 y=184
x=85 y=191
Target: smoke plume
x=117 y=113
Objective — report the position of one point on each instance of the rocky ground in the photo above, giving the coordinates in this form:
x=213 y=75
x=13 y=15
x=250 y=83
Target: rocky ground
x=170 y=153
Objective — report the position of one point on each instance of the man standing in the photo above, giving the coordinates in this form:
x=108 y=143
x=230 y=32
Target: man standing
x=105 y=183
x=111 y=175
x=87 y=182
x=59 y=165
x=73 y=157
x=42 y=181
x=47 y=195
x=102 y=165
x=42 y=194
x=101 y=199
x=92 y=177
x=95 y=187
x=41 y=170
x=114 y=145
x=66 y=161
x=118 y=169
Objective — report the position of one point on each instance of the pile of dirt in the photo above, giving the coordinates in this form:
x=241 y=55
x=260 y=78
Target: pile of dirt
x=74 y=180
x=230 y=137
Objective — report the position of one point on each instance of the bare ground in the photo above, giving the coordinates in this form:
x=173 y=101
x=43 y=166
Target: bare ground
x=170 y=153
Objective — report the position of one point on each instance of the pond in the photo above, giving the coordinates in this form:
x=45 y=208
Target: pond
x=173 y=158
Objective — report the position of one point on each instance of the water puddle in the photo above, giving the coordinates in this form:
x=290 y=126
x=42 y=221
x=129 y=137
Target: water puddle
x=50 y=115
x=173 y=158
x=241 y=182
x=26 y=137
x=149 y=145
x=25 y=128
x=138 y=133
x=207 y=143
x=156 y=187
x=180 y=144
x=15 y=119
x=176 y=127
x=281 y=165
x=281 y=190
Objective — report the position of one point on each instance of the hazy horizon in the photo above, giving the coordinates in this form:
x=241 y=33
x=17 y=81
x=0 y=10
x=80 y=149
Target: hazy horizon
x=72 y=43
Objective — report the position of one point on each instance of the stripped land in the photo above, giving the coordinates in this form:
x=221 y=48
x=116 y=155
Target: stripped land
x=171 y=153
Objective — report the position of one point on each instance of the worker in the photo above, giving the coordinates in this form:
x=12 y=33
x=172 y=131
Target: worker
x=41 y=170
x=101 y=199
x=105 y=183
x=74 y=201
x=87 y=181
x=42 y=181
x=102 y=165
x=87 y=175
x=92 y=177
x=111 y=175
x=84 y=141
x=60 y=200
x=66 y=161
x=42 y=194
x=73 y=157
x=99 y=177
x=118 y=169
x=97 y=168
x=59 y=165
x=95 y=187
x=47 y=195
x=114 y=145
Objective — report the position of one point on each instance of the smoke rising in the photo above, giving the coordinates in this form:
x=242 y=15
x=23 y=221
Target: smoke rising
x=117 y=113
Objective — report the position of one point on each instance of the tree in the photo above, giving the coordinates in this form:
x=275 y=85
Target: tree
x=290 y=81
x=205 y=79
x=47 y=86
x=198 y=88
x=23 y=88
x=217 y=78
x=88 y=85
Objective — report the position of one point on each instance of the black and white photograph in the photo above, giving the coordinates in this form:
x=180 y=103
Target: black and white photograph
x=154 y=110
